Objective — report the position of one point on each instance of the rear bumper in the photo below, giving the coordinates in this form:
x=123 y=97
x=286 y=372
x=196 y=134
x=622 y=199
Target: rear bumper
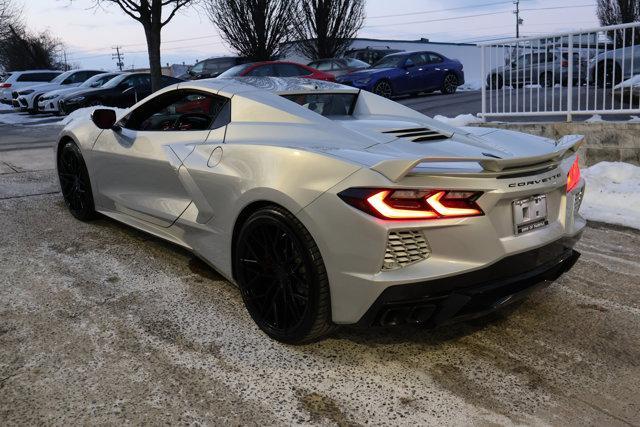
x=466 y=296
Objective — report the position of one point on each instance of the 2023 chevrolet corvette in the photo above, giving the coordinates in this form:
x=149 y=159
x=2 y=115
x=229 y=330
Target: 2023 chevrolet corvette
x=328 y=205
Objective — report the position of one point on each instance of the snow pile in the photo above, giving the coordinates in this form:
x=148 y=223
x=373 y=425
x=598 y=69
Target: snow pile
x=633 y=82
x=5 y=106
x=612 y=193
x=82 y=113
x=471 y=85
x=17 y=118
x=461 y=120
x=596 y=118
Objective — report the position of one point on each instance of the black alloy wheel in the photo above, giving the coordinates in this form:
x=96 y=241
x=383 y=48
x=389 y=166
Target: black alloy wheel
x=75 y=183
x=282 y=277
x=450 y=84
x=383 y=88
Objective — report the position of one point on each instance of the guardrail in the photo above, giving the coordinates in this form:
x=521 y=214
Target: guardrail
x=594 y=71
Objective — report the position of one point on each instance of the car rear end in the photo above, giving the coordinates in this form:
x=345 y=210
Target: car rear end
x=436 y=246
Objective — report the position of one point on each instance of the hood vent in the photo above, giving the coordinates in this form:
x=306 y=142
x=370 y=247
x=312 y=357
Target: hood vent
x=418 y=134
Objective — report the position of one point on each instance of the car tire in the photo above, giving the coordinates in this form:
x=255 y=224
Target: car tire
x=546 y=80
x=608 y=72
x=449 y=84
x=495 y=82
x=282 y=277
x=75 y=183
x=383 y=88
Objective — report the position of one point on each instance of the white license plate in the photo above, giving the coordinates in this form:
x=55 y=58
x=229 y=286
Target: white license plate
x=529 y=214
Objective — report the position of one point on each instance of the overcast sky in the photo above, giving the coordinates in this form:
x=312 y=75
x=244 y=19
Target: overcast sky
x=90 y=33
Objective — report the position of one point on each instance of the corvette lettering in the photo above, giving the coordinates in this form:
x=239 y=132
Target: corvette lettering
x=535 y=181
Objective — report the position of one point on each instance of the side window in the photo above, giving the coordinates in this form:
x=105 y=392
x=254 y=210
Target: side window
x=178 y=110
x=435 y=59
x=261 y=71
x=37 y=77
x=198 y=68
x=417 y=59
x=322 y=65
x=301 y=70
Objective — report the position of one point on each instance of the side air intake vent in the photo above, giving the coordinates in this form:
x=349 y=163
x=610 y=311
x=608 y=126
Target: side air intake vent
x=418 y=134
x=404 y=248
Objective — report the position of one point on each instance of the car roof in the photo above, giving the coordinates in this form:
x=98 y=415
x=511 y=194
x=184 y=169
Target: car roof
x=279 y=85
x=273 y=62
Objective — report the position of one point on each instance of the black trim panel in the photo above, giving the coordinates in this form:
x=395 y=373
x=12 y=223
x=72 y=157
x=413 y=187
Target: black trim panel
x=437 y=302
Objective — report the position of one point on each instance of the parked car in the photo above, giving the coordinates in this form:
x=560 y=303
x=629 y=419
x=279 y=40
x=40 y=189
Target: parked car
x=121 y=91
x=408 y=72
x=213 y=67
x=325 y=206
x=48 y=102
x=276 y=69
x=338 y=66
x=27 y=98
x=17 y=80
x=371 y=55
x=614 y=66
x=543 y=68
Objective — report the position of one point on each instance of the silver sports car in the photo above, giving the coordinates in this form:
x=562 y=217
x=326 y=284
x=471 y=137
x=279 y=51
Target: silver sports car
x=328 y=205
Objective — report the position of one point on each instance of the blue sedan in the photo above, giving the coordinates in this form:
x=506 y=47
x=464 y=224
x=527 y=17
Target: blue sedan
x=408 y=72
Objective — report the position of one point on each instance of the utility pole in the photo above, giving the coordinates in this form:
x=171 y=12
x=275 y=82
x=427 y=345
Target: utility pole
x=66 y=64
x=519 y=21
x=119 y=56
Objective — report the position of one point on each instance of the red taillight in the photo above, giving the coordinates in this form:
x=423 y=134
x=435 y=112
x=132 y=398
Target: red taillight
x=5 y=85
x=413 y=204
x=565 y=64
x=573 y=177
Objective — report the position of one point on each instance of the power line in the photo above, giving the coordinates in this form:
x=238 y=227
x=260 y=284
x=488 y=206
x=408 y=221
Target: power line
x=436 y=11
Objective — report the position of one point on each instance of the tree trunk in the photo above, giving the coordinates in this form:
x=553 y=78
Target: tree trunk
x=152 y=32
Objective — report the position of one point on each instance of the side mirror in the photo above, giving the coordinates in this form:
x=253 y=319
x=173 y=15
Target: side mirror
x=104 y=118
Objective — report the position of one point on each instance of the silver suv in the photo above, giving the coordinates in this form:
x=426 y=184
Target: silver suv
x=543 y=68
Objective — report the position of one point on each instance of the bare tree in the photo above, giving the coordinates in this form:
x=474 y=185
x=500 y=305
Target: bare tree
x=256 y=29
x=613 y=12
x=20 y=50
x=9 y=15
x=326 y=27
x=149 y=13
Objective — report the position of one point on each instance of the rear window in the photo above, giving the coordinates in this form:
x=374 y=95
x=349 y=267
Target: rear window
x=326 y=104
x=37 y=77
x=235 y=71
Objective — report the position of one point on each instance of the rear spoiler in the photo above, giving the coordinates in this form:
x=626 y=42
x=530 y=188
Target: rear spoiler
x=397 y=169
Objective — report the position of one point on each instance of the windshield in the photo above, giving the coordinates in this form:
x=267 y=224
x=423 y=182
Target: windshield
x=326 y=104
x=115 y=81
x=356 y=63
x=97 y=80
x=390 y=61
x=234 y=71
x=61 y=77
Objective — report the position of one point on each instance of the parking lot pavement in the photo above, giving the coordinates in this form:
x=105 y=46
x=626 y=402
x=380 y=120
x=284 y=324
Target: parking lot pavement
x=100 y=323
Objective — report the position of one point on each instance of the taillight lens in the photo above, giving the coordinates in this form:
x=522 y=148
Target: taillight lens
x=573 y=177
x=5 y=85
x=564 y=64
x=413 y=204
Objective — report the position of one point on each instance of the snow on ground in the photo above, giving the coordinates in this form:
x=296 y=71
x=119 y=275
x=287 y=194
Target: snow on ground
x=461 y=120
x=471 y=85
x=632 y=82
x=612 y=193
x=20 y=118
x=5 y=106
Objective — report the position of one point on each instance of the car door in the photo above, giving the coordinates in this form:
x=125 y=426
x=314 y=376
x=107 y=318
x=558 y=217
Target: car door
x=414 y=74
x=434 y=71
x=131 y=90
x=137 y=166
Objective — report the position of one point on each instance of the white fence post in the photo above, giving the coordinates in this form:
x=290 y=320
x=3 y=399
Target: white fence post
x=570 y=78
x=482 y=82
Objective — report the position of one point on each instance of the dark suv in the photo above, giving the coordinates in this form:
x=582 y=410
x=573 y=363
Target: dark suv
x=213 y=67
